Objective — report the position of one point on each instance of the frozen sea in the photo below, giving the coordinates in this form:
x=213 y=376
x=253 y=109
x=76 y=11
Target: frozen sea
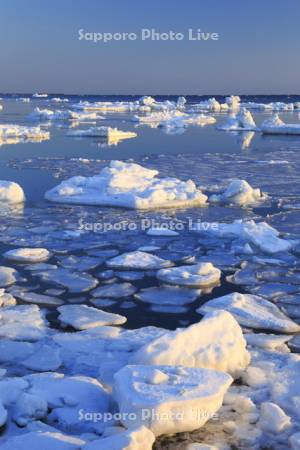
x=209 y=157
x=56 y=349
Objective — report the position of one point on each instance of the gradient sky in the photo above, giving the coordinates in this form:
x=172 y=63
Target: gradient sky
x=257 y=53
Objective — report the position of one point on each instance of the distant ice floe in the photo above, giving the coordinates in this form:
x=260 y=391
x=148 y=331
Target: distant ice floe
x=128 y=185
x=273 y=106
x=232 y=103
x=145 y=104
x=158 y=117
x=239 y=192
x=12 y=134
x=39 y=95
x=11 y=193
x=185 y=120
x=59 y=100
x=243 y=121
x=112 y=134
x=23 y=99
x=48 y=114
x=277 y=126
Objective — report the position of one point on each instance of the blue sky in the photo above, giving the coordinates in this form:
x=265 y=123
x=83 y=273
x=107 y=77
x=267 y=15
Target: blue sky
x=258 y=49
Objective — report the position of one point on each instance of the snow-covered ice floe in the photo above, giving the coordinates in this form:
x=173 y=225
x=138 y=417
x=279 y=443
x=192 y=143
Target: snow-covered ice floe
x=276 y=126
x=186 y=120
x=197 y=275
x=11 y=193
x=239 y=192
x=138 y=260
x=22 y=133
x=28 y=255
x=158 y=117
x=172 y=396
x=272 y=106
x=48 y=114
x=104 y=132
x=39 y=95
x=83 y=317
x=231 y=103
x=252 y=311
x=216 y=342
x=128 y=185
x=140 y=438
x=261 y=235
x=243 y=121
x=145 y=104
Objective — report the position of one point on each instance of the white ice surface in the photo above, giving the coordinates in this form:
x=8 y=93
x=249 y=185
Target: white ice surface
x=169 y=399
x=128 y=185
x=197 y=275
x=11 y=193
x=252 y=311
x=216 y=342
x=83 y=317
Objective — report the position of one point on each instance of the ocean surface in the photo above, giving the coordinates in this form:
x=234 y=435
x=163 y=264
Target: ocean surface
x=209 y=157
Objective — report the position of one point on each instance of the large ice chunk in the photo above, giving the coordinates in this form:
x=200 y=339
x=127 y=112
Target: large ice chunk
x=216 y=342
x=261 y=234
x=11 y=193
x=128 y=185
x=243 y=121
x=169 y=399
x=239 y=192
x=276 y=126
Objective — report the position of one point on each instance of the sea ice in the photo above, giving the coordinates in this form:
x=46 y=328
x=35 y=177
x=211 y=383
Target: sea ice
x=42 y=440
x=67 y=396
x=32 y=297
x=75 y=282
x=22 y=322
x=168 y=295
x=261 y=234
x=103 y=132
x=239 y=192
x=138 y=260
x=216 y=342
x=169 y=399
x=243 y=121
x=272 y=418
x=252 y=311
x=8 y=131
x=8 y=276
x=48 y=114
x=27 y=255
x=83 y=317
x=276 y=126
x=197 y=275
x=128 y=185
x=115 y=290
x=11 y=193
x=140 y=438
